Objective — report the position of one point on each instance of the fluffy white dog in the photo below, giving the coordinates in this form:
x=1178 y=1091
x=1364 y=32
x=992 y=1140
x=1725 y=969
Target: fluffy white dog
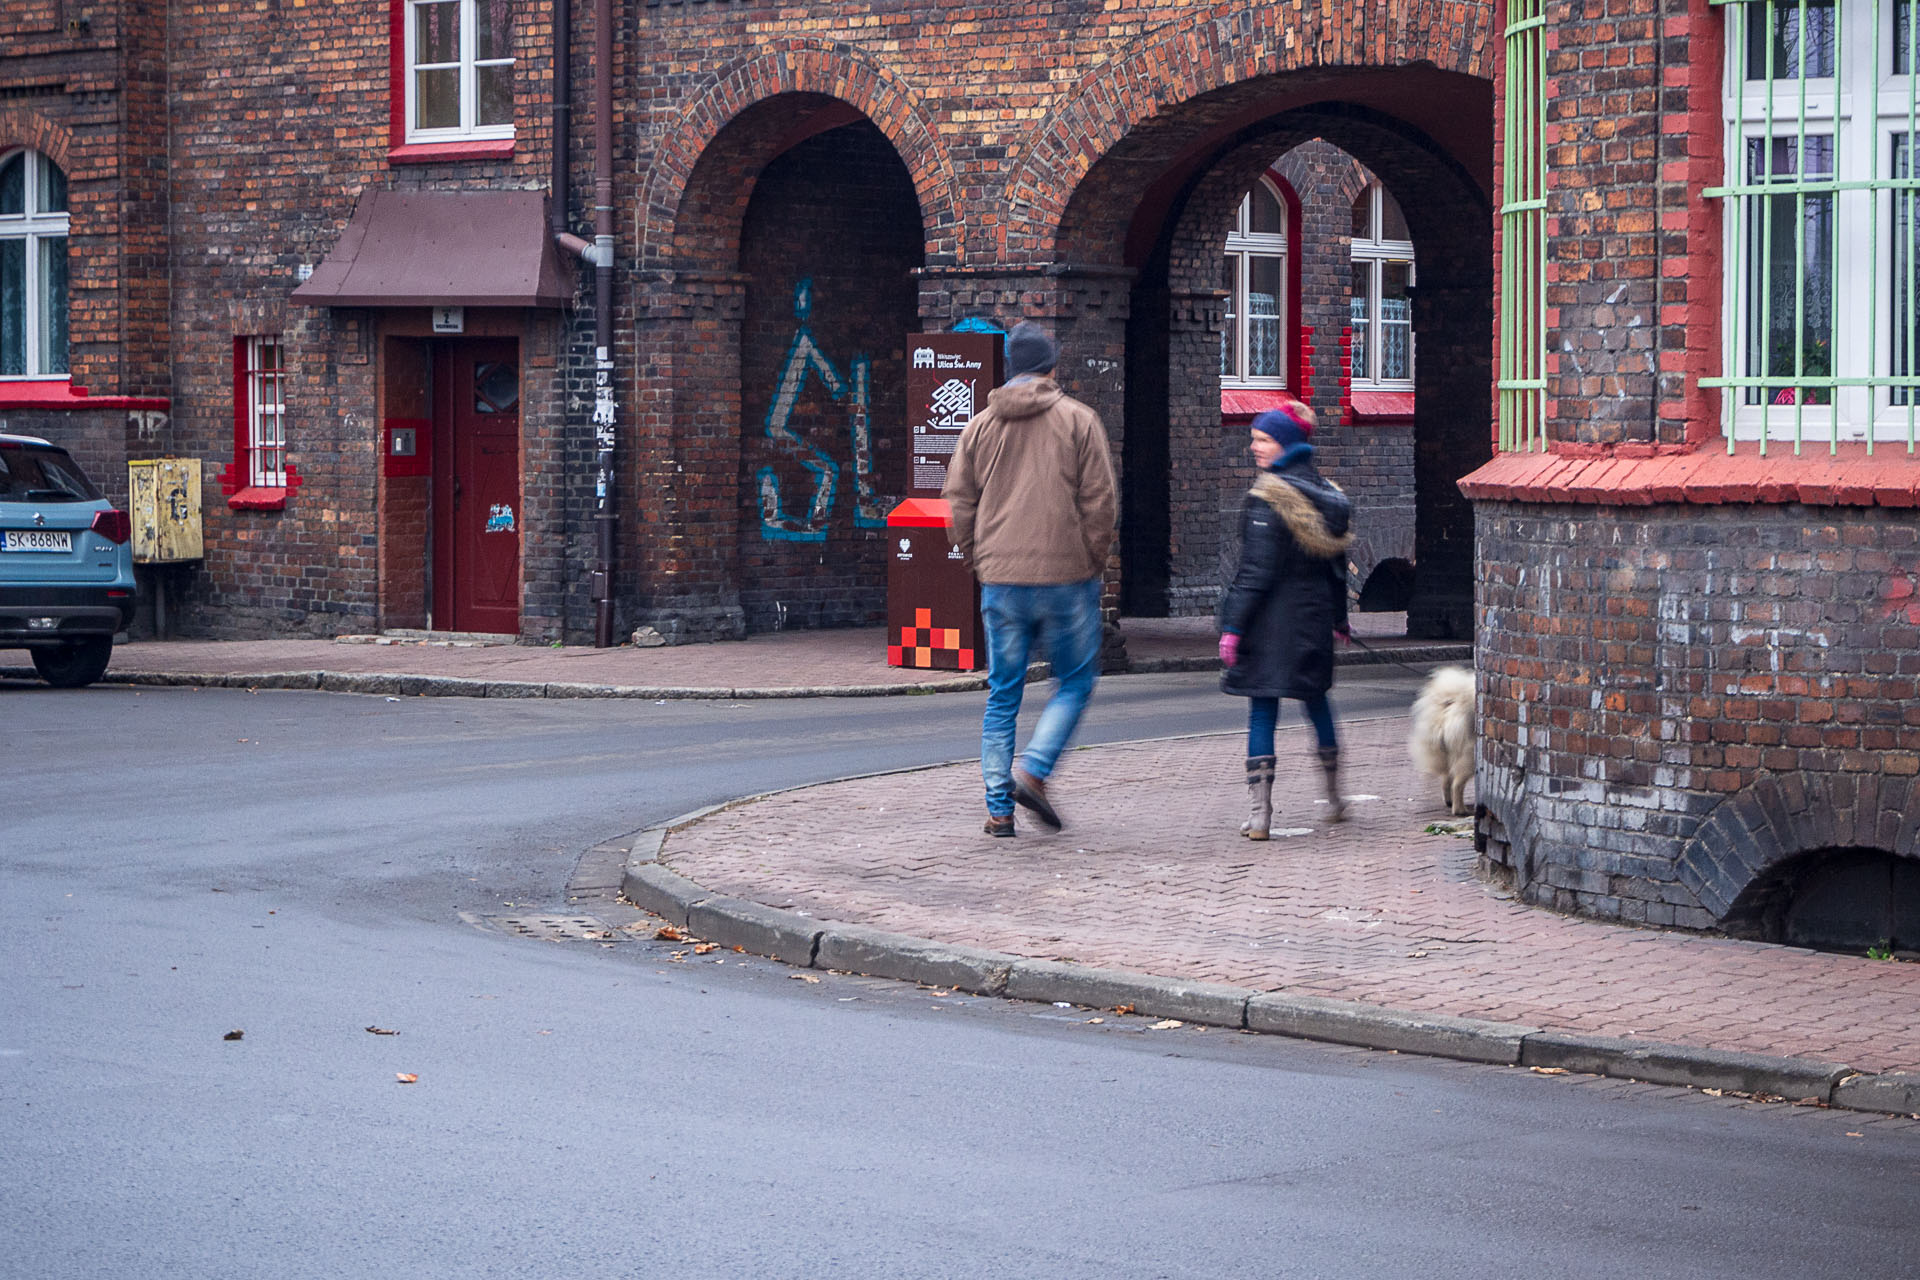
x=1442 y=738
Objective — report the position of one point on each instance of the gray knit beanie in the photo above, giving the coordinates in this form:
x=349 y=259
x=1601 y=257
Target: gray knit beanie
x=1030 y=349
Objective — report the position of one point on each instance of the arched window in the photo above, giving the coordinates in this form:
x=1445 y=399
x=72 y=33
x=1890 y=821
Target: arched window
x=1382 y=298
x=1252 y=350
x=33 y=266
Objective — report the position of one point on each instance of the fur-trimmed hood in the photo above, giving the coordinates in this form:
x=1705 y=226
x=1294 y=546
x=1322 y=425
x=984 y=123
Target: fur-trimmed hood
x=1314 y=510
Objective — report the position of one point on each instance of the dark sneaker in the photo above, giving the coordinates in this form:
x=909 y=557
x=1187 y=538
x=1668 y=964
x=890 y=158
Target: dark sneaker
x=999 y=826
x=1031 y=792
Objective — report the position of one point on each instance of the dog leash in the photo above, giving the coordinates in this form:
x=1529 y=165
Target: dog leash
x=1353 y=639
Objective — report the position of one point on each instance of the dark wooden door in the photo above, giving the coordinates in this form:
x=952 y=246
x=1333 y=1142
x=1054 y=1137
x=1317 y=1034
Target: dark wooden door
x=476 y=499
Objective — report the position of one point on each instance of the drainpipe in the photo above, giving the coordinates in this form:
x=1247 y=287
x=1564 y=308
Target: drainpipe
x=562 y=119
x=606 y=522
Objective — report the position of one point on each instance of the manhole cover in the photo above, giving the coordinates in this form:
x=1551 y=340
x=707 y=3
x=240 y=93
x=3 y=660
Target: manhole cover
x=553 y=928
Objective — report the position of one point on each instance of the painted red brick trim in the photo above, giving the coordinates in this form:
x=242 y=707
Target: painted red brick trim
x=61 y=393
x=1889 y=477
x=438 y=152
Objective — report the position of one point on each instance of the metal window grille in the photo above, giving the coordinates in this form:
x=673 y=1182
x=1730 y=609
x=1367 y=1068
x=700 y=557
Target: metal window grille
x=266 y=413
x=1522 y=384
x=1820 y=336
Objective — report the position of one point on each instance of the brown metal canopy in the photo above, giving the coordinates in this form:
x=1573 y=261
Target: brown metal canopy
x=443 y=249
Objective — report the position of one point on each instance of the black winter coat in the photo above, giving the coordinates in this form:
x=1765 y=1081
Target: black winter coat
x=1290 y=592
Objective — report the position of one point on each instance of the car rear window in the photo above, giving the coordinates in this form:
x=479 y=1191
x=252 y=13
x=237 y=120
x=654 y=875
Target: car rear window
x=42 y=473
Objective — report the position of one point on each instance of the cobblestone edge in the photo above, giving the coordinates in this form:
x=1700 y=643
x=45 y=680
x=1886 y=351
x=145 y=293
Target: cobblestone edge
x=803 y=941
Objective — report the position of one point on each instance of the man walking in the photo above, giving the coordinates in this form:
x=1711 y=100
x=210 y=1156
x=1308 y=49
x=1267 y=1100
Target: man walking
x=1031 y=502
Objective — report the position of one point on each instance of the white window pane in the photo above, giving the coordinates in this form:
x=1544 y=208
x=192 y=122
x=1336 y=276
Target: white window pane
x=13 y=306
x=1903 y=319
x=13 y=185
x=1396 y=320
x=1795 y=47
x=1265 y=285
x=1789 y=286
x=52 y=196
x=1360 y=311
x=1269 y=216
x=51 y=255
x=1393 y=223
x=437 y=99
x=496 y=94
x=436 y=32
x=1229 y=335
x=493 y=29
x=1903 y=47
x=1363 y=216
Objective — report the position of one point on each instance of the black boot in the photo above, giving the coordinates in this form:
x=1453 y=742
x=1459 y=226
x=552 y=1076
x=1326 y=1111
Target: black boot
x=1336 y=803
x=1259 y=798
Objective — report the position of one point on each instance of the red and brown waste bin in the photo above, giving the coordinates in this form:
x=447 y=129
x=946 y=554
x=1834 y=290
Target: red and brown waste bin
x=933 y=603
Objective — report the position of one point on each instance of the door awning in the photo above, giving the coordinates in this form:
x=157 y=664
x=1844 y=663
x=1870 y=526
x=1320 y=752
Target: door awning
x=443 y=249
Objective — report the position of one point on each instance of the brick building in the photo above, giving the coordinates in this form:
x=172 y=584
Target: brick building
x=324 y=249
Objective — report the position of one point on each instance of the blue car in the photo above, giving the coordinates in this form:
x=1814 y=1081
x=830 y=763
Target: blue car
x=66 y=566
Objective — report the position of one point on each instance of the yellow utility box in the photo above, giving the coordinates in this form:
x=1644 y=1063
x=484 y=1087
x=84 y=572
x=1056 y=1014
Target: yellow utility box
x=165 y=496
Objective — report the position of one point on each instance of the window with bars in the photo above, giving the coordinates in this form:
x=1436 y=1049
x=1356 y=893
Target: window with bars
x=1820 y=340
x=33 y=267
x=459 y=63
x=1381 y=302
x=1253 y=351
x=261 y=412
x=1522 y=385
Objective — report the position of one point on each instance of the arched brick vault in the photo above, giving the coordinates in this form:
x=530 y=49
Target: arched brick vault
x=1780 y=817
x=1129 y=212
x=824 y=78
x=1248 y=62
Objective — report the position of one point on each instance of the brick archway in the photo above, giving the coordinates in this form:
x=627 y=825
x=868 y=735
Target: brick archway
x=1223 y=69
x=818 y=74
x=35 y=132
x=1781 y=817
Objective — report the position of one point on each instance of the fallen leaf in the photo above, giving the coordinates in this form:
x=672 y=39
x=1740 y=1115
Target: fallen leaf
x=702 y=948
x=1854 y=1133
x=803 y=977
x=382 y=1031
x=1096 y=1020
x=1549 y=1071
x=1714 y=1093
x=1166 y=1024
x=233 y=1035
x=741 y=950
x=406 y=1077
x=667 y=933
x=1123 y=1008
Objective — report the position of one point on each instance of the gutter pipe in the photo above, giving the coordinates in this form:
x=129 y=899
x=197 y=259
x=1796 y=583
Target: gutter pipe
x=606 y=520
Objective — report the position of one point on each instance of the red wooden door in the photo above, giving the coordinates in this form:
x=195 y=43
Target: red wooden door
x=476 y=498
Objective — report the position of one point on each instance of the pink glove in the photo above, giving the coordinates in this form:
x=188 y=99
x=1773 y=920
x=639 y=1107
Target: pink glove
x=1229 y=648
x=1345 y=634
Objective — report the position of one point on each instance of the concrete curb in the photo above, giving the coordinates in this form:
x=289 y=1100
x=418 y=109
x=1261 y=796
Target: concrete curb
x=806 y=942
x=414 y=686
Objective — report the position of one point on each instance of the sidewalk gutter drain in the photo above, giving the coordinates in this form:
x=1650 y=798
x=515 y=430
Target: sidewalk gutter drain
x=552 y=928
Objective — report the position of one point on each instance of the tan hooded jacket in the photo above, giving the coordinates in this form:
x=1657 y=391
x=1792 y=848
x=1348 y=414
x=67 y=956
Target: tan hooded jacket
x=1030 y=488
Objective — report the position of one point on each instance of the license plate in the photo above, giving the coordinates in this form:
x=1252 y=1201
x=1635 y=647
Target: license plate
x=36 y=540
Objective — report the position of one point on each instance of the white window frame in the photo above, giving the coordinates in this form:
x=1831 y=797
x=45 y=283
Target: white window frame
x=265 y=389
x=469 y=64
x=1863 y=108
x=1374 y=253
x=1243 y=245
x=34 y=227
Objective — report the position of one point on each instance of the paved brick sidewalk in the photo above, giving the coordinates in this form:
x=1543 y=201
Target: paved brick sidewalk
x=1150 y=875
x=847 y=658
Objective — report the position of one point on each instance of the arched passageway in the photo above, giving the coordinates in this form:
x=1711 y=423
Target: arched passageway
x=1159 y=206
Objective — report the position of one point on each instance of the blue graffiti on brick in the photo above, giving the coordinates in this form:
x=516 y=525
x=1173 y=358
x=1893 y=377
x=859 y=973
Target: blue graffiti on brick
x=804 y=358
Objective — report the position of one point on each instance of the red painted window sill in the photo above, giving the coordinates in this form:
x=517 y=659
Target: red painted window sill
x=439 y=152
x=60 y=393
x=1249 y=402
x=258 y=498
x=1382 y=406
x=1888 y=477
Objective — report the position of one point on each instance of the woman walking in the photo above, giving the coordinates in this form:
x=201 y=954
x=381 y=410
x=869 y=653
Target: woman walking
x=1287 y=602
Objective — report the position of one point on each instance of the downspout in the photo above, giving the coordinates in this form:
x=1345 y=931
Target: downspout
x=605 y=520
x=599 y=253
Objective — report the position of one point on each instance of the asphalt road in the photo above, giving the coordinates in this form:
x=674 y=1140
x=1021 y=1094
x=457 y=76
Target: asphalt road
x=177 y=865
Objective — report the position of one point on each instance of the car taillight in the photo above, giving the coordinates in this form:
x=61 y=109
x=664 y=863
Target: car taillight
x=112 y=525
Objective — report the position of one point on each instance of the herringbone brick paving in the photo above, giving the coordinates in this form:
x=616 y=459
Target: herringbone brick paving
x=1151 y=875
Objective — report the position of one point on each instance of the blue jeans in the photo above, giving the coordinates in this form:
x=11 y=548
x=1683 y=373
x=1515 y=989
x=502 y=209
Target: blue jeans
x=1264 y=713
x=1065 y=618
